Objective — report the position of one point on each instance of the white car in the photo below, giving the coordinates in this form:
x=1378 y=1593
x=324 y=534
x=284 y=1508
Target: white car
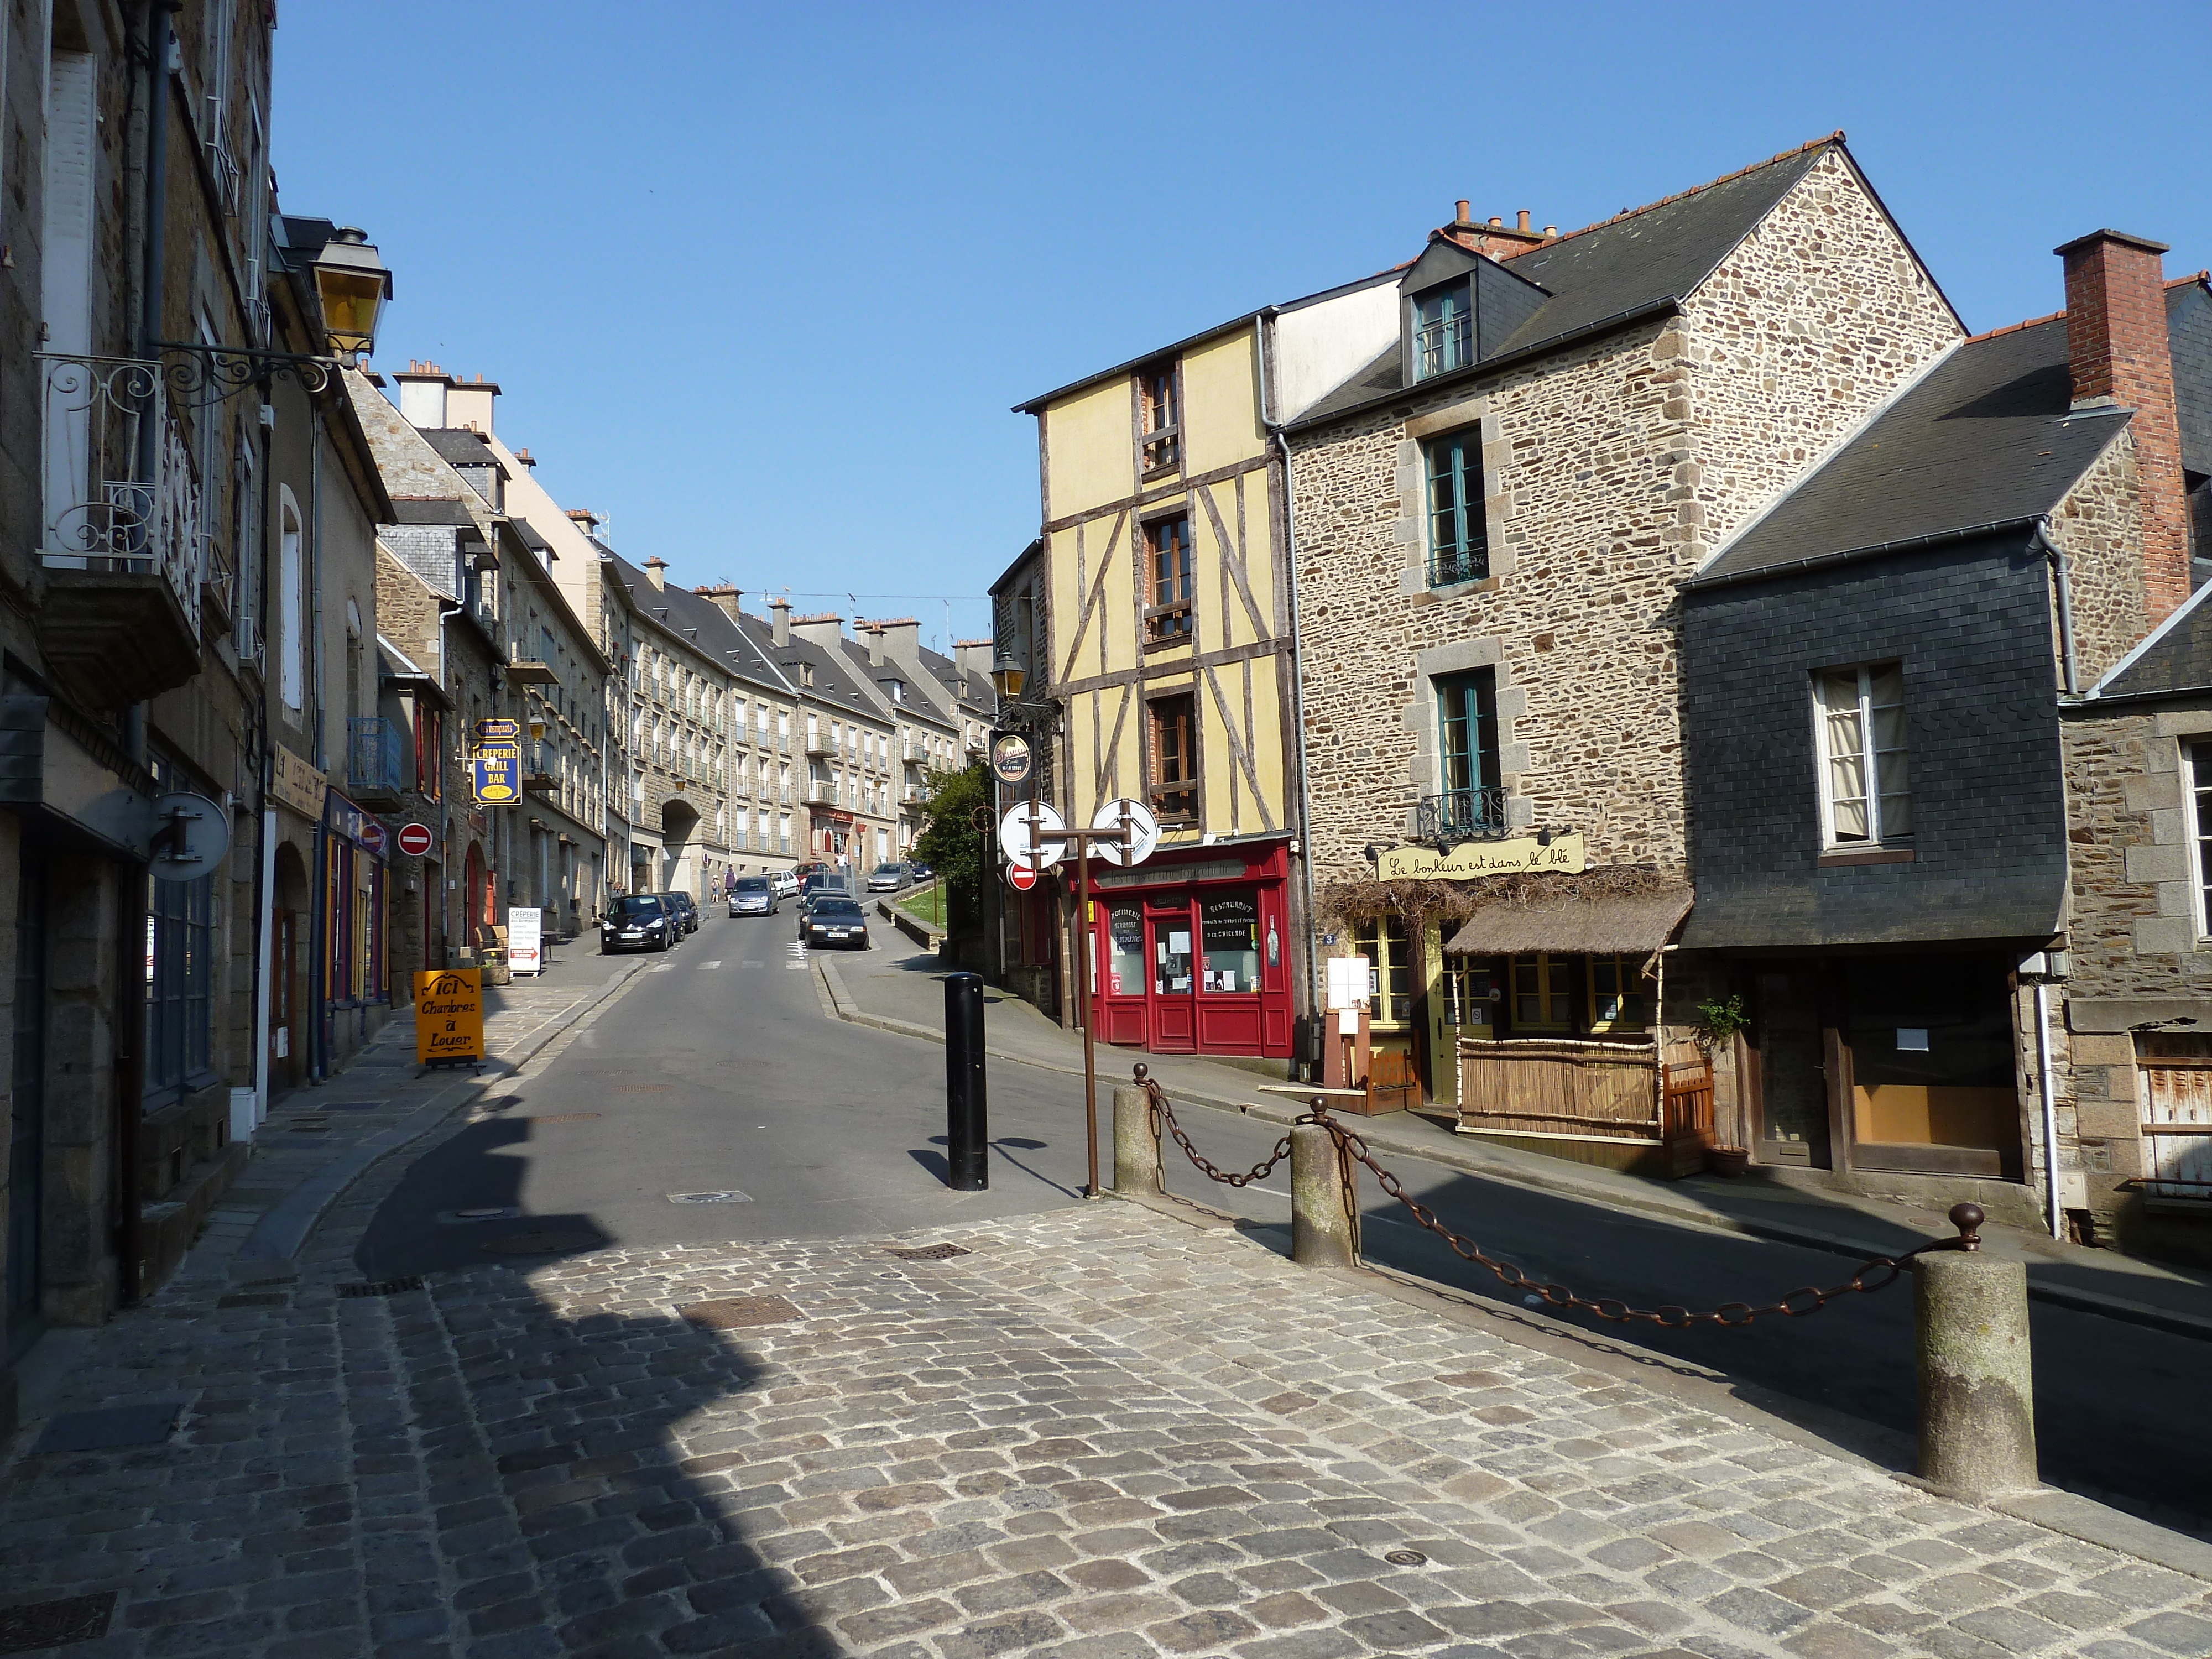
x=786 y=884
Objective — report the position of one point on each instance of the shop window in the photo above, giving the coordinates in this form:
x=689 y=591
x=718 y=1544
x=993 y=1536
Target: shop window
x=1167 y=619
x=1171 y=955
x=1865 y=798
x=1464 y=984
x=1616 y=993
x=1390 y=971
x=1230 y=935
x=1543 y=994
x=1174 y=759
x=1158 y=411
x=1125 y=949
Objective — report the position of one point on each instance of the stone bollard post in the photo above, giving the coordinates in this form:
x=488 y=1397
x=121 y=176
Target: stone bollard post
x=1324 y=1226
x=1136 y=1148
x=1976 y=1390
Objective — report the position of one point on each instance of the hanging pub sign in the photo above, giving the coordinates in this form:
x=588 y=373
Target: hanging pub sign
x=496 y=762
x=1011 y=759
x=1471 y=858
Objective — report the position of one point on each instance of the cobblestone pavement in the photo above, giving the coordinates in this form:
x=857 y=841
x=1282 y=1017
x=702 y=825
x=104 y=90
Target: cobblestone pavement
x=1104 y=1431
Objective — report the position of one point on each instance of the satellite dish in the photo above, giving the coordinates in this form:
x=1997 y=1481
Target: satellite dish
x=190 y=835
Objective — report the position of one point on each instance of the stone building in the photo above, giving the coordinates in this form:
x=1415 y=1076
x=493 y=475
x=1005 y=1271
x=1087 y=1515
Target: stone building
x=1492 y=517
x=164 y=484
x=1952 y=893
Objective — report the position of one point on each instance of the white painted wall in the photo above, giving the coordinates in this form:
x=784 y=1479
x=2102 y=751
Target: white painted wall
x=1319 y=347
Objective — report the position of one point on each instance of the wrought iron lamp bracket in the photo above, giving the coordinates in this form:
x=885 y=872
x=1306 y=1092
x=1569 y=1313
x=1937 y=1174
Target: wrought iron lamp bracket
x=204 y=375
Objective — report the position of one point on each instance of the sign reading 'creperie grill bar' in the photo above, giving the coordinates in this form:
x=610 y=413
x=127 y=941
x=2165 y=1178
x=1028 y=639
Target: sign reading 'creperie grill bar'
x=1471 y=858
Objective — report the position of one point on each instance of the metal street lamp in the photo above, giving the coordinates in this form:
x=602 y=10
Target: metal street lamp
x=1008 y=677
x=353 y=285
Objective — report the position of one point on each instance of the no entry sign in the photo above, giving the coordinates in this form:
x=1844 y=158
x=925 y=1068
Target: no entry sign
x=1020 y=878
x=413 y=839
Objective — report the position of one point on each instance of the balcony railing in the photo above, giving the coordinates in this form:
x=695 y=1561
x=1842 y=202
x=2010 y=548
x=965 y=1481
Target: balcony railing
x=1460 y=815
x=1448 y=565
x=374 y=756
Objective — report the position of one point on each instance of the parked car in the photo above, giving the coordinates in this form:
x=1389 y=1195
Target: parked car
x=753 y=896
x=822 y=881
x=786 y=884
x=637 y=921
x=685 y=909
x=812 y=867
x=833 y=919
x=887 y=878
x=921 y=872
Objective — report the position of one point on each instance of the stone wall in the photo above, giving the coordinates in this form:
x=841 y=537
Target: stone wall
x=1610 y=472
x=2099 y=525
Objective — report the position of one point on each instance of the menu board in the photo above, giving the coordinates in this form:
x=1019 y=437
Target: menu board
x=1230 y=934
x=1125 y=945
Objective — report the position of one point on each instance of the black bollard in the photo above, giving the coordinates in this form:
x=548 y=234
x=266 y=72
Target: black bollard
x=967 y=1119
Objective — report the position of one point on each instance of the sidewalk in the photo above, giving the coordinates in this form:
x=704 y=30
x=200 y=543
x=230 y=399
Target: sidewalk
x=319 y=1139
x=1104 y=1432
x=896 y=988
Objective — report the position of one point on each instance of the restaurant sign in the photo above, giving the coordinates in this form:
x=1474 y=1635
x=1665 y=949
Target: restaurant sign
x=1471 y=858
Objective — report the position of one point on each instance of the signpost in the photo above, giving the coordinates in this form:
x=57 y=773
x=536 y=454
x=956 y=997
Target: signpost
x=449 y=1017
x=1034 y=837
x=413 y=839
x=525 y=941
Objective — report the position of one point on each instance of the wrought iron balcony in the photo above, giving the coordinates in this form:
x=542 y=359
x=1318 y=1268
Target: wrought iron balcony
x=124 y=556
x=1448 y=565
x=375 y=774
x=1459 y=815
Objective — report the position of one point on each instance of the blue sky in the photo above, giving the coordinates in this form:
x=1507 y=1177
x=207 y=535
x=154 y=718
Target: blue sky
x=761 y=282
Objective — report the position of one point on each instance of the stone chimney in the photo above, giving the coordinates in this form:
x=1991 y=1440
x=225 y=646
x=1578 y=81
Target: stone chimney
x=727 y=599
x=2118 y=352
x=901 y=638
x=654 y=566
x=780 y=622
x=875 y=645
x=423 y=393
x=468 y=402
x=973 y=658
x=824 y=628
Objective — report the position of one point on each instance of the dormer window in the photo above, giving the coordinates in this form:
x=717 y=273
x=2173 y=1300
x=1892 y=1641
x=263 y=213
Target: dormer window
x=1159 y=419
x=1444 y=330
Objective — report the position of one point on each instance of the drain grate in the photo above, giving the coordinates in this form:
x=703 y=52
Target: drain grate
x=731 y=1196
x=645 y=1088
x=1406 y=1558
x=382 y=1286
x=35 y=1625
x=735 y=1312
x=562 y=1117
x=543 y=1243
x=928 y=1252
x=498 y=1212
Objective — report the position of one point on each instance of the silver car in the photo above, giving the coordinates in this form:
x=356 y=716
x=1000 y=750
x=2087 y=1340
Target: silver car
x=753 y=896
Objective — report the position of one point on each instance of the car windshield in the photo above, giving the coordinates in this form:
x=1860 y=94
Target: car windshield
x=887 y=869
x=638 y=908
x=836 y=907
x=753 y=884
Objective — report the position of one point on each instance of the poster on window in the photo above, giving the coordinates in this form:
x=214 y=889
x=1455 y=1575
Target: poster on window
x=1231 y=932
x=525 y=941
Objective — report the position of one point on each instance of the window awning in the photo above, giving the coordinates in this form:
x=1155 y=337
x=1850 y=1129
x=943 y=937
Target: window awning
x=1609 y=924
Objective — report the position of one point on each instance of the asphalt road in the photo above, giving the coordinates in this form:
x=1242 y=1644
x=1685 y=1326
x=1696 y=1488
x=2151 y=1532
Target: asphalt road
x=717 y=1100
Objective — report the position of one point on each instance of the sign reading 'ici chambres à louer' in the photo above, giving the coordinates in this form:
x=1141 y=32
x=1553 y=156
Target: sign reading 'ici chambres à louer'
x=1471 y=858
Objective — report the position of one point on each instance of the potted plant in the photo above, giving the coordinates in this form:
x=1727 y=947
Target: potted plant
x=1719 y=1020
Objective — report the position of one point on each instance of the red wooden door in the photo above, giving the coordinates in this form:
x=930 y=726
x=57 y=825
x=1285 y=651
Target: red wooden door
x=1173 y=957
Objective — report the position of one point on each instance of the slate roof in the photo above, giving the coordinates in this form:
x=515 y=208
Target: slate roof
x=1642 y=261
x=2176 y=657
x=2188 y=332
x=459 y=446
x=417 y=510
x=1986 y=438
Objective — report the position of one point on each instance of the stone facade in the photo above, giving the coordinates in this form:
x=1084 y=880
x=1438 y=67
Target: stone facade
x=1611 y=470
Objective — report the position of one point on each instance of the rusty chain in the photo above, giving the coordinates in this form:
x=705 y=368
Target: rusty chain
x=1351 y=1145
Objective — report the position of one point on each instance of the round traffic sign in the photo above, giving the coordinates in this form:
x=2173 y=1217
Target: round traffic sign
x=415 y=839
x=1122 y=813
x=1021 y=878
x=1025 y=832
x=190 y=834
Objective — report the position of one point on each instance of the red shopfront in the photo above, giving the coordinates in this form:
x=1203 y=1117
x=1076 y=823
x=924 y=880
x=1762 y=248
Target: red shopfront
x=1193 y=952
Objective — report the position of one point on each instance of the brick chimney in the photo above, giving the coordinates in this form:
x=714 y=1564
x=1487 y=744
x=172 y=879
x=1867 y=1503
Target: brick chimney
x=727 y=599
x=654 y=566
x=780 y=622
x=2117 y=351
x=1497 y=238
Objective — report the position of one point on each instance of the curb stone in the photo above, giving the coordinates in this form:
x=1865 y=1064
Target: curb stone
x=2123 y=1308
x=285 y=1226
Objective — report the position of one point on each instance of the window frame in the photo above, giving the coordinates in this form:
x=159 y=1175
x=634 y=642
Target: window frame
x=1877 y=838
x=1387 y=945
x=1171 y=617
x=1461 y=336
x=1553 y=982
x=1159 y=443
x=1467 y=558
x=1476 y=691
x=1190 y=783
x=1627 y=968
x=2195 y=762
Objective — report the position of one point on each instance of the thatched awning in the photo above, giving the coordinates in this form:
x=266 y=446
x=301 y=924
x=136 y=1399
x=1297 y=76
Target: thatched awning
x=1607 y=924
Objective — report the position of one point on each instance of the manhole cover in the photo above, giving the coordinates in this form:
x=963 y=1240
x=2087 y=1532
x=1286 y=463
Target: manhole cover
x=1406 y=1558
x=732 y=1196
x=36 y=1625
x=562 y=1117
x=928 y=1252
x=543 y=1243
x=499 y=1213
x=734 y=1312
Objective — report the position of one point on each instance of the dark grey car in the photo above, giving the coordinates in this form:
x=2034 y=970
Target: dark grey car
x=638 y=921
x=834 y=920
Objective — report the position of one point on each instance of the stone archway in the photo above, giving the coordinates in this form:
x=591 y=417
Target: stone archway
x=291 y=952
x=679 y=820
